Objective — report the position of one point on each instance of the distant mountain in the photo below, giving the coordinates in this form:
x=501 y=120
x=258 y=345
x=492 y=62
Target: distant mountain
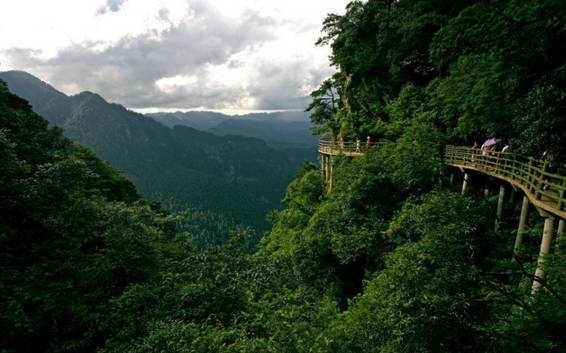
x=197 y=120
x=206 y=120
x=274 y=132
x=288 y=131
x=240 y=177
x=293 y=138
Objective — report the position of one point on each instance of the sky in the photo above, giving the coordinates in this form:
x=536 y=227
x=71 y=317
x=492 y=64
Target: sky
x=224 y=55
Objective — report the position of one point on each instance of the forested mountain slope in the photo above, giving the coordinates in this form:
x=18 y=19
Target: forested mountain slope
x=472 y=69
x=288 y=132
x=180 y=164
x=197 y=120
x=79 y=248
x=389 y=260
x=73 y=233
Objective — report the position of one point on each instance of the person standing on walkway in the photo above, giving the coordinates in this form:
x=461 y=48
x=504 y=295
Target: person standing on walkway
x=368 y=142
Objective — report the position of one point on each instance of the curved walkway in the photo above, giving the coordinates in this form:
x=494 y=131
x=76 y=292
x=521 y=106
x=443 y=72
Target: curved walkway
x=348 y=149
x=545 y=188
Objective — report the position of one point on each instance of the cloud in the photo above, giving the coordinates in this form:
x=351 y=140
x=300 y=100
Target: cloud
x=189 y=57
x=114 y=5
x=111 y=5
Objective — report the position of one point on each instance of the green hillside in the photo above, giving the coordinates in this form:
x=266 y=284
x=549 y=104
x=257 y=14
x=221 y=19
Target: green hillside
x=288 y=132
x=393 y=258
x=190 y=167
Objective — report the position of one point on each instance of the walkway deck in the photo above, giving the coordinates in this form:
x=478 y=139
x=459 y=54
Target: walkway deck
x=545 y=188
x=348 y=149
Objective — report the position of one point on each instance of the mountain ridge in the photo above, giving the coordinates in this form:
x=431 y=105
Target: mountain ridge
x=286 y=131
x=192 y=167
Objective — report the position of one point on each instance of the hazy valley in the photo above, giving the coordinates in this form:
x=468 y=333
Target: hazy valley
x=215 y=171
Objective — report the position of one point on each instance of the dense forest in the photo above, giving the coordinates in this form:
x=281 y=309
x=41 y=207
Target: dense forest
x=286 y=131
x=193 y=170
x=387 y=261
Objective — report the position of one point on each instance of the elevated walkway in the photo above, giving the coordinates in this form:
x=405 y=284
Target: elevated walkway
x=348 y=149
x=542 y=184
x=329 y=149
x=545 y=188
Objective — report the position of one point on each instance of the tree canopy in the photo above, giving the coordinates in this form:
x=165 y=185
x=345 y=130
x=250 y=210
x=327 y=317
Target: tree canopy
x=473 y=69
x=389 y=260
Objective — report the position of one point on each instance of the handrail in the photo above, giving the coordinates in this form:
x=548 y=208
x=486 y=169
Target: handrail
x=544 y=187
x=346 y=148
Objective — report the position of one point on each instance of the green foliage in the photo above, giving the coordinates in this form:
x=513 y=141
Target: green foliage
x=199 y=170
x=426 y=298
x=543 y=106
x=415 y=160
x=403 y=109
x=73 y=235
x=386 y=261
x=475 y=99
x=474 y=69
x=324 y=106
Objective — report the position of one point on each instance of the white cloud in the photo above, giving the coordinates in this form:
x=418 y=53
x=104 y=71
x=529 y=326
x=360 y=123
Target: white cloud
x=49 y=26
x=182 y=54
x=174 y=83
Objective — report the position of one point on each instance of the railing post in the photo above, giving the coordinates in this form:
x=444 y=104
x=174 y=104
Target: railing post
x=496 y=157
x=513 y=159
x=540 y=181
x=530 y=180
x=562 y=192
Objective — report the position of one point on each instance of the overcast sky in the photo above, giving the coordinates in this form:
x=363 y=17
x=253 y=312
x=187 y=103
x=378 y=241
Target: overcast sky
x=228 y=55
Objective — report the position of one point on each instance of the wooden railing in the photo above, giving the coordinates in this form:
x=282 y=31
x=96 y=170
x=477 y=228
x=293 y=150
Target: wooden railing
x=346 y=148
x=543 y=184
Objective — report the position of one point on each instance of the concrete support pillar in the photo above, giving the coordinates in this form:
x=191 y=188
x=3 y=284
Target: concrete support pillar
x=500 y=202
x=330 y=177
x=326 y=169
x=465 y=183
x=559 y=234
x=322 y=166
x=321 y=156
x=324 y=158
x=544 y=250
x=522 y=224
